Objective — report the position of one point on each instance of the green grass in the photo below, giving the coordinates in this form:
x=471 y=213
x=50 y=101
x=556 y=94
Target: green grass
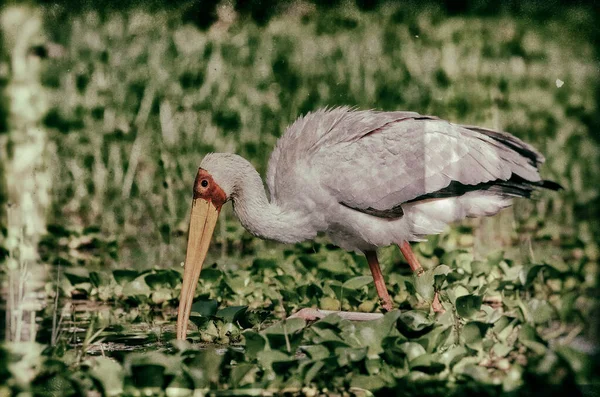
x=140 y=98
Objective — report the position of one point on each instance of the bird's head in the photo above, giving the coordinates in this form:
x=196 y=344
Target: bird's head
x=215 y=184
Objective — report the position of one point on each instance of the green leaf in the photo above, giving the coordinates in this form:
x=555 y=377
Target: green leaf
x=203 y=367
x=413 y=350
x=231 y=314
x=541 y=311
x=334 y=267
x=180 y=386
x=424 y=285
x=325 y=334
x=367 y=382
x=414 y=321
x=199 y=321
x=440 y=275
x=148 y=376
x=479 y=268
x=316 y=352
x=205 y=308
x=260 y=264
x=427 y=248
x=468 y=305
x=453 y=355
x=357 y=282
x=285 y=334
x=472 y=334
x=477 y=373
x=581 y=363
x=313 y=371
x=98 y=279
x=124 y=276
x=494 y=258
x=210 y=275
x=75 y=279
x=109 y=374
x=286 y=281
x=241 y=371
x=163 y=278
x=266 y=358
x=371 y=333
x=393 y=350
x=513 y=379
x=511 y=273
x=456 y=292
x=171 y=364
x=255 y=343
x=529 y=338
x=137 y=287
x=348 y=355
x=501 y=349
x=426 y=363
x=504 y=327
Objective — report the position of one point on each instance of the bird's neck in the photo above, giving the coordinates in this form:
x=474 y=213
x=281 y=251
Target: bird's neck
x=267 y=219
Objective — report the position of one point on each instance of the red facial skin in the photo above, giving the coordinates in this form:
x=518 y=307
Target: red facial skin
x=211 y=192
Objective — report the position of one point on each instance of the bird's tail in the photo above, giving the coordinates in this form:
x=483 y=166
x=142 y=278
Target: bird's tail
x=519 y=187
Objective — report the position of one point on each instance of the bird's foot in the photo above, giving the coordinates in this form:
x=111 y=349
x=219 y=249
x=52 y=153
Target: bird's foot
x=436 y=305
x=310 y=314
x=386 y=305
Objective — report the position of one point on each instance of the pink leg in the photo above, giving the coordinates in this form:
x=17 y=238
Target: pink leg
x=386 y=301
x=416 y=267
x=411 y=258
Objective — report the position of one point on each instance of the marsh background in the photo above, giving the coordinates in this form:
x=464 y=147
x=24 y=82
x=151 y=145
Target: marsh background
x=108 y=108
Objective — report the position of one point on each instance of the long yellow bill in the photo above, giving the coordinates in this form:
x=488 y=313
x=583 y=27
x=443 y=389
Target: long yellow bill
x=202 y=224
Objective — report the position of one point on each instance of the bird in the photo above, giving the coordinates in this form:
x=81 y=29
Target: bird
x=366 y=179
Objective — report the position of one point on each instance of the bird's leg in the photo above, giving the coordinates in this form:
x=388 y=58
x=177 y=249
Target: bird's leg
x=386 y=301
x=411 y=258
x=416 y=267
x=310 y=314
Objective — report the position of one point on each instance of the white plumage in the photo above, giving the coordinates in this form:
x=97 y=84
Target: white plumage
x=358 y=176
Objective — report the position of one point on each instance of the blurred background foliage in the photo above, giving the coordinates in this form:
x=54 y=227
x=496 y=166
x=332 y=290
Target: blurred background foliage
x=138 y=94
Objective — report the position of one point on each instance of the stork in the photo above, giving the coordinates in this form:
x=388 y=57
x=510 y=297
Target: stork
x=367 y=179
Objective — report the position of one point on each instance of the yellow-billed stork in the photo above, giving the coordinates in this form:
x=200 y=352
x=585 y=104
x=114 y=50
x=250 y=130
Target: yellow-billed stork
x=367 y=179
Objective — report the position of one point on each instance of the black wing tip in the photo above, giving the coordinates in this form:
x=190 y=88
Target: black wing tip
x=516 y=186
x=523 y=148
x=551 y=185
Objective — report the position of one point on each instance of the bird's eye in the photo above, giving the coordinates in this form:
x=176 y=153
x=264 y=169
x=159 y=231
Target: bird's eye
x=204 y=183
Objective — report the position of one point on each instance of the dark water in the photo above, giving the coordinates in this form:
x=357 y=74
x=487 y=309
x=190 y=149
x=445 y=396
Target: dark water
x=28 y=312
x=105 y=328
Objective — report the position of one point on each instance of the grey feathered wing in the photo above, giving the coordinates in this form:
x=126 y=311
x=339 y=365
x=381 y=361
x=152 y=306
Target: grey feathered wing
x=376 y=161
